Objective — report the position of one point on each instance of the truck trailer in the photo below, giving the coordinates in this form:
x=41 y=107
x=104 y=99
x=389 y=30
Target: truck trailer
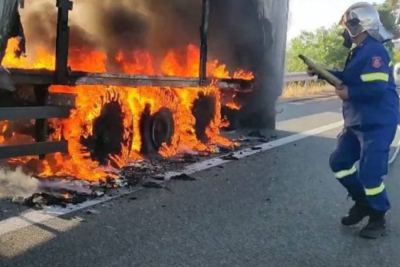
x=163 y=51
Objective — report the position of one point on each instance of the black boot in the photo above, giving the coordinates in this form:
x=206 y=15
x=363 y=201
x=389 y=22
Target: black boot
x=357 y=213
x=376 y=226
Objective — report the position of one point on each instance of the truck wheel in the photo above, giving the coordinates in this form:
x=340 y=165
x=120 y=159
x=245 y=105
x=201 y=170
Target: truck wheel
x=109 y=134
x=156 y=130
x=204 y=111
x=162 y=128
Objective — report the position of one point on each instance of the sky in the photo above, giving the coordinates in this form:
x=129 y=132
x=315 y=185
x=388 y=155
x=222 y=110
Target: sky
x=308 y=15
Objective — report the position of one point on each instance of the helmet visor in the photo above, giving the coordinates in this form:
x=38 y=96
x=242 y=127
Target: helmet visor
x=354 y=27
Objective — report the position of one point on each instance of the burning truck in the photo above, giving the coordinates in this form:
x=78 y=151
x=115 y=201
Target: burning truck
x=105 y=83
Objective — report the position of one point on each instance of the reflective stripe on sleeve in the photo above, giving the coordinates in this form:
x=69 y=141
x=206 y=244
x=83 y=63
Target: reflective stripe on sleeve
x=373 y=77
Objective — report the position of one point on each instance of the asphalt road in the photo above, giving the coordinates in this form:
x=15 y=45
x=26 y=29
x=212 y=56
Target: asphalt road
x=281 y=207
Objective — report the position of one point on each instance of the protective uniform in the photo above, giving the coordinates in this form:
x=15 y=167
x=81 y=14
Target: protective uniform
x=371 y=115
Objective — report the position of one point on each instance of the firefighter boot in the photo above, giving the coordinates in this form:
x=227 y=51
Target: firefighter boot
x=376 y=226
x=357 y=213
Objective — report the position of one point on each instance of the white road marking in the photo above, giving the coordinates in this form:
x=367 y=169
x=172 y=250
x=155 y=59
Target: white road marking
x=249 y=151
x=36 y=217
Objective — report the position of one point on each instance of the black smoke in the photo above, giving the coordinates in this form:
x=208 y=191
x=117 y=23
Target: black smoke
x=240 y=35
x=154 y=25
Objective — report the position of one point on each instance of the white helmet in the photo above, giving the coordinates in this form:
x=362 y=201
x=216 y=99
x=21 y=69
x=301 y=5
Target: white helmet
x=364 y=17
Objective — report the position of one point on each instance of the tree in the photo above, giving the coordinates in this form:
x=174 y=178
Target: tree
x=391 y=5
x=388 y=12
x=324 y=46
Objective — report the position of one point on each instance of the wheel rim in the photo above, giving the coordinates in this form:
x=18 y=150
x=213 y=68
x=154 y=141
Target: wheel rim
x=162 y=128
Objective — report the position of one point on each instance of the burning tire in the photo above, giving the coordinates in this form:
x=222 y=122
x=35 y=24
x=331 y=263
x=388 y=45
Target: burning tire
x=162 y=128
x=204 y=111
x=156 y=130
x=110 y=134
x=232 y=115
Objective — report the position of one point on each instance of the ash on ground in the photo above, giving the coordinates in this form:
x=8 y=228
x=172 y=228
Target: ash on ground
x=69 y=191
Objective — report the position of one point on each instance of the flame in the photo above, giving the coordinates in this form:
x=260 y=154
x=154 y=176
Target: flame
x=233 y=105
x=242 y=74
x=133 y=101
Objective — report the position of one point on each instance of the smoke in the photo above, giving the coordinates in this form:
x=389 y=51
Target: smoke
x=17 y=184
x=244 y=34
x=38 y=19
x=154 y=25
x=237 y=33
x=116 y=25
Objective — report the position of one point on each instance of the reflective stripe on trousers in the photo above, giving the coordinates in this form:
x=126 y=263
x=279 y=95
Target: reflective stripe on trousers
x=345 y=173
x=375 y=191
x=368 y=191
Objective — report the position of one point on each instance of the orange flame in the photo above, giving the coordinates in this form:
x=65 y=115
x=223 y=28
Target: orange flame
x=91 y=99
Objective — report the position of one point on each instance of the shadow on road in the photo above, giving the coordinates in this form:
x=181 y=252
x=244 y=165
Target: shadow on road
x=281 y=207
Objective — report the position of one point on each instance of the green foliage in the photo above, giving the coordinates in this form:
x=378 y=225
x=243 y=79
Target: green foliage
x=391 y=4
x=396 y=56
x=324 y=46
x=388 y=12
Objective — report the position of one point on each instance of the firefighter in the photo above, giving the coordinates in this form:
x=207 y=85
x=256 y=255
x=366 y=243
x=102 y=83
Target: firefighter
x=371 y=115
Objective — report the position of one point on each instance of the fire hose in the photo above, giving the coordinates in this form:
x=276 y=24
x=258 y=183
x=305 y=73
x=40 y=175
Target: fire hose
x=333 y=80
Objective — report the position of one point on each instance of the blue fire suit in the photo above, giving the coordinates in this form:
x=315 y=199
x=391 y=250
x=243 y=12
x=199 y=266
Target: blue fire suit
x=371 y=116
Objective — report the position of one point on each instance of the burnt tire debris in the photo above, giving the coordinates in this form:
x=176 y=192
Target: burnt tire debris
x=40 y=200
x=230 y=157
x=147 y=174
x=183 y=177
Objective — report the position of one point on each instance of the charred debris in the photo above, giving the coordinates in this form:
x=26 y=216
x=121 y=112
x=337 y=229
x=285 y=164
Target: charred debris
x=150 y=174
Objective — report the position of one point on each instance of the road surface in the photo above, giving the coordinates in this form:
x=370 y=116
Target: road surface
x=280 y=207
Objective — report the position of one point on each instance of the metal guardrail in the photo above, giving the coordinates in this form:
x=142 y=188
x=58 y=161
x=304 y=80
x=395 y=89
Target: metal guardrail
x=298 y=77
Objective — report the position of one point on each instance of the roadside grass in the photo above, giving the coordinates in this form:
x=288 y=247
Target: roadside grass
x=306 y=89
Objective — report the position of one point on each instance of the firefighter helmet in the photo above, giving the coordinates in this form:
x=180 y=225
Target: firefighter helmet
x=364 y=17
